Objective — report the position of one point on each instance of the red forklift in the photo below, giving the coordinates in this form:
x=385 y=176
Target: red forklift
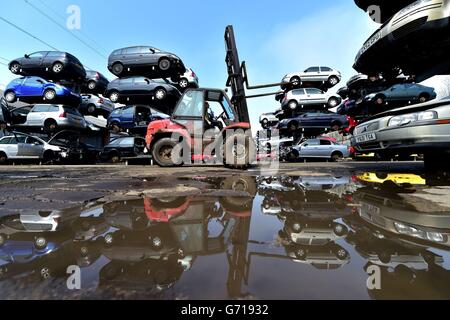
x=207 y=125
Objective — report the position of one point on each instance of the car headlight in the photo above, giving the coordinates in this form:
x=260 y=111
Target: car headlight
x=411 y=118
x=420 y=234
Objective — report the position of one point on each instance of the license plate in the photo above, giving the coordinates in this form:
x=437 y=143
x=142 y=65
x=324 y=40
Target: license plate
x=366 y=138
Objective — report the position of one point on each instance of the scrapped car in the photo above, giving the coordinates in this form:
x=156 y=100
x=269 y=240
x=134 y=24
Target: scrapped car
x=188 y=80
x=279 y=96
x=74 y=149
x=35 y=89
x=319 y=149
x=141 y=89
x=268 y=120
x=95 y=82
x=5 y=115
x=385 y=8
x=315 y=120
x=49 y=64
x=415 y=40
x=95 y=105
x=20 y=146
x=395 y=178
x=134 y=60
x=405 y=92
x=309 y=97
x=132 y=117
x=418 y=129
x=52 y=117
x=125 y=148
x=312 y=75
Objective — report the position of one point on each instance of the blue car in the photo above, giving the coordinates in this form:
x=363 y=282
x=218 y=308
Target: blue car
x=35 y=89
x=24 y=251
x=133 y=117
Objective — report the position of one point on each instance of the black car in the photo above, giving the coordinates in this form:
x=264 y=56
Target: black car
x=141 y=89
x=387 y=8
x=95 y=82
x=314 y=120
x=145 y=60
x=5 y=115
x=76 y=151
x=52 y=65
x=125 y=148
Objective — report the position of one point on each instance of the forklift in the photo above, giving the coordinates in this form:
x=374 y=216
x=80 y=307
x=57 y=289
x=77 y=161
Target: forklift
x=207 y=125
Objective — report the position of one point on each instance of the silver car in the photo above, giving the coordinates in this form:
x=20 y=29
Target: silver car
x=319 y=149
x=51 y=117
x=95 y=105
x=268 y=120
x=25 y=147
x=313 y=75
x=309 y=96
x=188 y=80
x=422 y=128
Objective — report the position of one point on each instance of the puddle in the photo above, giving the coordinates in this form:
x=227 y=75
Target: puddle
x=241 y=237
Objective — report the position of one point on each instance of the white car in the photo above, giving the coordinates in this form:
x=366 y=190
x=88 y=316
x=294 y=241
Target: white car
x=313 y=75
x=268 y=120
x=307 y=97
x=188 y=80
x=21 y=146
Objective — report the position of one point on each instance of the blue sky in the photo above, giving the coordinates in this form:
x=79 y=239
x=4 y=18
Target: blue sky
x=274 y=38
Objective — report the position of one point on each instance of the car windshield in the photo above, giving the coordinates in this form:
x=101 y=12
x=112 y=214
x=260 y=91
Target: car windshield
x=191 y=105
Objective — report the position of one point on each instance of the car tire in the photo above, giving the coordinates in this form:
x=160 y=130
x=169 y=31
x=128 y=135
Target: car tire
x=295 y=81
x=293 y=105
x=164 y=64
x=117 y=69
x=50 y=125
x=265 y=124
x=183 y=83
x=92 y=85
x=40 y=242
x=15 y=68
x=57 y=68
x=341 y=253
x=10 y=97
x=293 y=156
x=337 y=156
x=162 y=153
x=3 y=159
x=236 y=156
x=424 y=97
x=114 y=96
x=49 y=94
x=340 y=230
x=156 y=242
x=333 y=80
x=160 y=94
x=90 y=109
x=49 y=156
x=333 y=102
x=301 y=254
x=380 y=100
x=293 y=126
x=114 y=158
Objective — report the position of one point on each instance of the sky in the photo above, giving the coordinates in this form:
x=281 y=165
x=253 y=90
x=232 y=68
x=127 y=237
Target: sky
x=273 y=38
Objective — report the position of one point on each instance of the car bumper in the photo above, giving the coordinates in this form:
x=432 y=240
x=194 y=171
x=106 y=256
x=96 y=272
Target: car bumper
x=415 y=138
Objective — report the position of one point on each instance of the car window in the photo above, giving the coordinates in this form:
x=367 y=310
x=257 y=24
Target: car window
x=141 y=80
x=116 y=112
x=53 y=109
x=6 y=140
x=126 y=81
x=126 y=142
x=37 y=54
x=31 y=140
x=299 y=91
x=40 y=108
x=72 y=111
x=325 y=143
x=313 y=69
x=54 y=54
x=191 y=105
x=326 y=69
x=313 y=143
x=17 y=81
x=313 y=91
x=133 y=50
x=128 y=111
x=117 y=52
x=33 y=80
x=19 y=139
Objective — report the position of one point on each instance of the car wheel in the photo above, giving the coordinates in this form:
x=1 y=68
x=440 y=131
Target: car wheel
x=295 y=81
x=265 y=124
x=333 y=80
x=293 y=155
x=341 y=254
x=46 y=273
x=380 y=100
x=91 y=109
x=3 y=159
x=160 y=94
x=293 y=105
x=40 y=242
x=109 y=239
x=49 y=94
x=50 y=125
x=424 y=97
x=57 y=67
x=297 y=227
x=10 y=97
x=114 y=96
x=340 y=230
x=184 y=83
x=92 y=85
x=337 y=156
x=164 y=64
x=301 y=254
x=115 y=158
x=333 y=102
x=163 y=153
x=156 y=242
x=49 y=156
x=117 y=69
x=293 y=126
x=15 y=68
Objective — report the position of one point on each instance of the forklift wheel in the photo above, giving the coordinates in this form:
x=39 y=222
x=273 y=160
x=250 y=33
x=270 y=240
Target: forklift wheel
x=239 y=151
x=163 y=153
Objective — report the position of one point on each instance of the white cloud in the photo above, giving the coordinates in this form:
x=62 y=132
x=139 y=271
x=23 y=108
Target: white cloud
x=329 y=37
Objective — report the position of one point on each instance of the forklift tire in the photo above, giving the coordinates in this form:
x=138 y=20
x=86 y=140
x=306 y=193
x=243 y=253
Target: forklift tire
x=238 y=156
x=162 y=153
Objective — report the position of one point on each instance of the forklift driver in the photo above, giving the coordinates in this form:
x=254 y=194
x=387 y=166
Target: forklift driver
x=211 y=122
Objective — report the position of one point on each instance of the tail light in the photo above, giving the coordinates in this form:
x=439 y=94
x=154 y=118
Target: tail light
x=101 y=101
x=98 y=75
x=193 y=74
x=63 y=115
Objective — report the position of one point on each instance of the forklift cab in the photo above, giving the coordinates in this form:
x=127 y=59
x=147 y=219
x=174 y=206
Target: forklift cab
x=201 y=110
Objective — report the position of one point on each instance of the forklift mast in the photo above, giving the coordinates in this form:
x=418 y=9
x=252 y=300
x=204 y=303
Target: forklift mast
x=235 y=77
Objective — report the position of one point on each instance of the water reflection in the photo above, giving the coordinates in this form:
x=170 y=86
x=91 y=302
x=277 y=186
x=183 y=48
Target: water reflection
x=219 y=244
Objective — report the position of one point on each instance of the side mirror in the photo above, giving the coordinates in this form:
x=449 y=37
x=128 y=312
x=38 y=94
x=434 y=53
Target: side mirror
x=27 y=56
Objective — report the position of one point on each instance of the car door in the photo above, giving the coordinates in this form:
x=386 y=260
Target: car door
x=6 y=145
x=32 y=87
x=37 y=115
x=141 y=86
x=309 y=148
x=315 y=96
x=325 y=149
x=311 y=74
x=300 y=96
x=147 y=56
x=34 y=61
x=127 y=117
x=126 y=86
x=132 y=56
x=35 y=148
